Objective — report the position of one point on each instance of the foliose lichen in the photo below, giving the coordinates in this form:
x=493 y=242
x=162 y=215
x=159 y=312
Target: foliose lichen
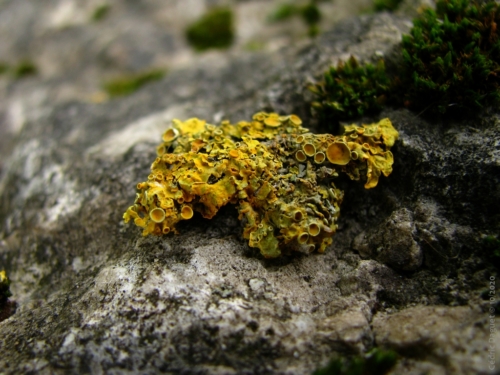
x=350 y=90
x=375 y=362
x=278 y=174
x=452 y=57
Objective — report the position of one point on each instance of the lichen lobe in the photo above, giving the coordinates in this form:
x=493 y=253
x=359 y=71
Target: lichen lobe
x=278 y=174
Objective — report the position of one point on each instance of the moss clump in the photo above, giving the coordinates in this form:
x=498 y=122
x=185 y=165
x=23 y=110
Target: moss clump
x=278 y=174
x=214 y=30
x=101 y=12
x=350 y=90
x=3 y=68
x=24 y=68
x=492 y=244
x=283 y=12
x=452 y=57
x=390 y=5
x=310 y=14
x=376 y=362
x=491 y=247
x=128 y=84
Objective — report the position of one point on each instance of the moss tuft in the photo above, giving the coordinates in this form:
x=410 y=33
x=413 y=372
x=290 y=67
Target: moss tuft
x=310 y=14
x=128 y=84
x=389 y=5
x=24 y=68
x=452 y=57
x=3 y=68
x=4 y=287
x=214 y=30
x=376 y=362
x=277 y=172
x=101 y=12
x=350 y=90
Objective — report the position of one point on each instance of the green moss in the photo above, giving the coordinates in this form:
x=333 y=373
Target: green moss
x=452 y=57
x=310 y=14
x=390 y=5
x=491 y=248
x=492 y=244
x=376 y=362
x=24 y=68
x=350 y=90
x=254 y=45
x=214 y=30
x=128 y=84
x=3 y=68
x=283 y=12
x=101 y=12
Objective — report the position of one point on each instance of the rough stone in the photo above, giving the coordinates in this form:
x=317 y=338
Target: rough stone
x=392 y=242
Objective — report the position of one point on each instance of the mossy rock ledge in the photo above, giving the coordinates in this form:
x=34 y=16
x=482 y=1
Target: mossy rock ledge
x=407 y=270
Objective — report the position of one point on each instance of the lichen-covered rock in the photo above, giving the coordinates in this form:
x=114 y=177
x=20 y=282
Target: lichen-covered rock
x=97 y=297
x=278 y=174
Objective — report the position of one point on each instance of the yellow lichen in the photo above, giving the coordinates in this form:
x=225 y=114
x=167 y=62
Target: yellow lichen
x=277 y=173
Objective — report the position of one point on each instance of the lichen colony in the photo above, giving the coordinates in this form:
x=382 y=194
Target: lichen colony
x=278 y=174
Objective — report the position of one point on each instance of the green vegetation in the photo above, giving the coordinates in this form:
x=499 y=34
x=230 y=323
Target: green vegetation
x=101 y=12
x=3 y=68
x=311 y=16
x=309 y=13
x=4 y=287
x=254 y=45
x=452 y=57
x=350 y=90
x=283 y=12
x=491 y=246
x=214 y=30
x=23 y=69
x=376 y=362
x=126 y=85
x=390 y=5
x=451 y=65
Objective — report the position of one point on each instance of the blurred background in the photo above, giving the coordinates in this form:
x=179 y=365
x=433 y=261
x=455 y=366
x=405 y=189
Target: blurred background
x=83 y=47
x=55 y=51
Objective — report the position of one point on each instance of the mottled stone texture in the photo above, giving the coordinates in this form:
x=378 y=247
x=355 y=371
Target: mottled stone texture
x=405 y=272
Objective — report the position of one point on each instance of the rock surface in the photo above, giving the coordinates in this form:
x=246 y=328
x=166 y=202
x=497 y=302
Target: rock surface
x=406 y=270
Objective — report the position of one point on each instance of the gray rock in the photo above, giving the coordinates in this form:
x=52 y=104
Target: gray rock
x=392 y=242
x=96 y=297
